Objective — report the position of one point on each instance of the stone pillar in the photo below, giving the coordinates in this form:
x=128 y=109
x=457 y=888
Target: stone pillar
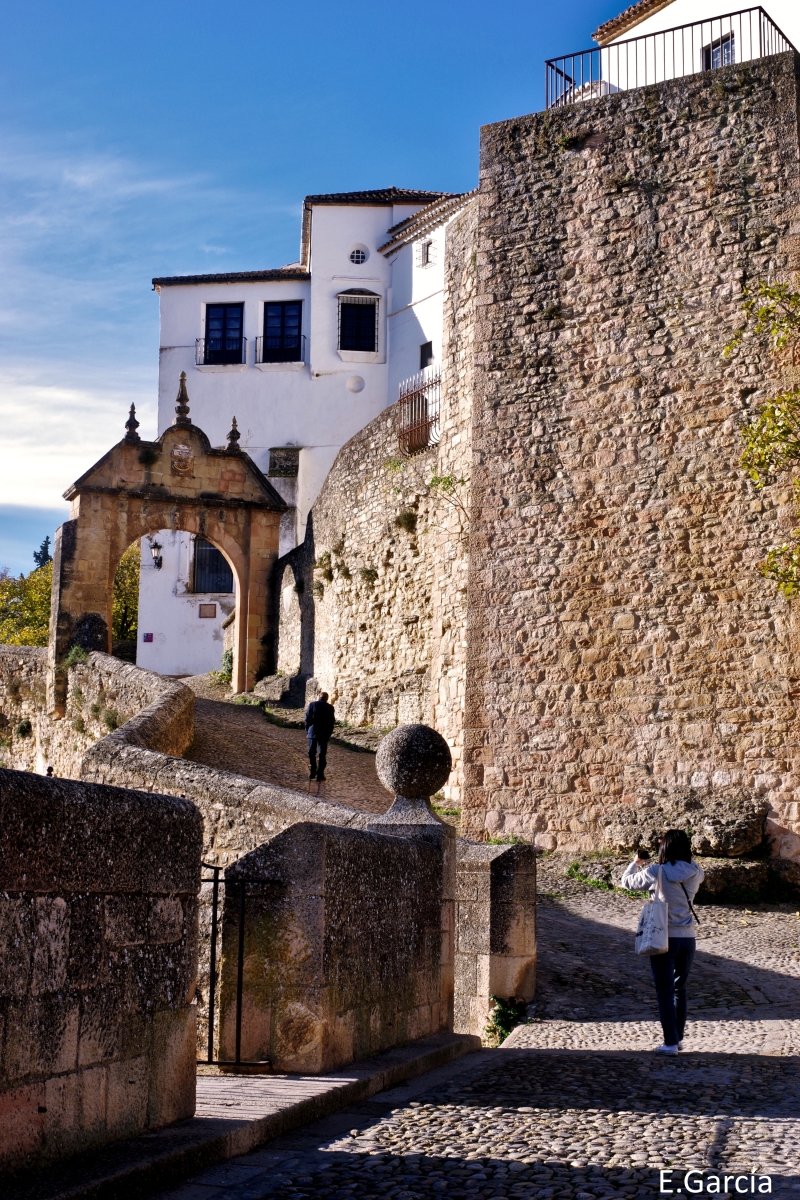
x=80 y=594
x=414 y=762
x=495 y=951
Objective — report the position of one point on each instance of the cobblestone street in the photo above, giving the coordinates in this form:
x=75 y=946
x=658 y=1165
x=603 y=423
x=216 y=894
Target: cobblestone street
x=574 y=1105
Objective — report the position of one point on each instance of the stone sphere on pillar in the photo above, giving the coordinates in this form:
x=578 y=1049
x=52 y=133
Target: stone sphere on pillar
x=414 y=761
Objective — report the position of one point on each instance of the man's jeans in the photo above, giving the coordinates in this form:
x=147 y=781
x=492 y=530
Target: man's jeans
x=670 y=972
x=313 y=743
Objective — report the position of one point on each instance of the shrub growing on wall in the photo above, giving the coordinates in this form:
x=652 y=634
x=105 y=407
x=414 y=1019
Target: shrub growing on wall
x=772 y=440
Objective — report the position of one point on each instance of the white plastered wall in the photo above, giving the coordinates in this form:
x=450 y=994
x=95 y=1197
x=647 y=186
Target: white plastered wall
x=184 y=643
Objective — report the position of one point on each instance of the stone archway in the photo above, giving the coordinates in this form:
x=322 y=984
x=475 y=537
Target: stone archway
x=181 y=482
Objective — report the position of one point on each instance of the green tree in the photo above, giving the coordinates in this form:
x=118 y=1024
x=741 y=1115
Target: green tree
x=772 y=440
x=42 y=556
x=25 y=607
x=25 y=603
x=125 y=612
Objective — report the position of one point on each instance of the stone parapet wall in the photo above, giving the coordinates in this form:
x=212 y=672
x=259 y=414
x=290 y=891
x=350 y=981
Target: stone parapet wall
x=98 y=940
x=495 y=943
x=342 y=947
x=107 y=700
x=620 y=636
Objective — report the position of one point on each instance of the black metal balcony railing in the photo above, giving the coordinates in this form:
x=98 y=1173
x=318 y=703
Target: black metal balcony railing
x=220 y=351
x=281 y=348
x=418 y=410
x=655 y=57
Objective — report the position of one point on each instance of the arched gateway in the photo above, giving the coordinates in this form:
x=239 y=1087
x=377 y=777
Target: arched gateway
x=177 y=482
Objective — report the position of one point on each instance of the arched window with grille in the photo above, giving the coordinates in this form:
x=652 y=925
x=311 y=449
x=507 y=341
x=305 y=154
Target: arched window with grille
x=212 y=572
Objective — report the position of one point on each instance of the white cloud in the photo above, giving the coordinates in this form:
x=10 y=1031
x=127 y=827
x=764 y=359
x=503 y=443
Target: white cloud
x=53 y=433
x=81 y=235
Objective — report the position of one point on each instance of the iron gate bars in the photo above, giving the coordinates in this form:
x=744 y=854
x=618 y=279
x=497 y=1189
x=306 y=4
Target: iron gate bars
x=419 y=407
x=667 y=54
x=240 y=883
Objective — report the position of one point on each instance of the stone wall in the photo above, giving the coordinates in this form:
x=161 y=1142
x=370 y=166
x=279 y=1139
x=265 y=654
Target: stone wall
x=98 y=940
x=342 y=947
x=620 y=636
x=373 y=581
x=454 y=460
x=103 y=695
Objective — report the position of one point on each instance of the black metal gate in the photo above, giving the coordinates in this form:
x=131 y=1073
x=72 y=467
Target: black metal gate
x=238 y=885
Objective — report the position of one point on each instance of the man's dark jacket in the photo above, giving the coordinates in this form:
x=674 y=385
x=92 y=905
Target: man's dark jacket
x=319 y=720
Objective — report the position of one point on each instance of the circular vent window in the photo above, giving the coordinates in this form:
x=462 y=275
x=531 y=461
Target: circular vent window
x=359 y=255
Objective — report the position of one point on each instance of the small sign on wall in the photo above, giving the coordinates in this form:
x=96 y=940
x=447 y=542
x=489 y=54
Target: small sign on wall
x=147 y=637
x=208 y=610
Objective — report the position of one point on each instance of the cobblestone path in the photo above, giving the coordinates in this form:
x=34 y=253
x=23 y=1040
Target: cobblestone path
x=238 y=738
x=574 y=1106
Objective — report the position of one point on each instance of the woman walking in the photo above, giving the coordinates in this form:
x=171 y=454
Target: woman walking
x=680 y=878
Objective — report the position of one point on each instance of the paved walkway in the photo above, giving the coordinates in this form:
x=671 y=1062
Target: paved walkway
x=238 y=738
x=574 y=1105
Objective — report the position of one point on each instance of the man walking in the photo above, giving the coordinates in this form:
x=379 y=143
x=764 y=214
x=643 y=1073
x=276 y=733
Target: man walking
x=319 y=723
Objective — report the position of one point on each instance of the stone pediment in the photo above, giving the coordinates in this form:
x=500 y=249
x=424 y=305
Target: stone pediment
x=179 y=466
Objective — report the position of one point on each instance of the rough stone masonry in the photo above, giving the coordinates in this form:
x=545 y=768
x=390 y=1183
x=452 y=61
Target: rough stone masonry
x=620 y=638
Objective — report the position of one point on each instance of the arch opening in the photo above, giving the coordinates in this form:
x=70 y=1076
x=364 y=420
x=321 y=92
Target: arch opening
x=187 y=599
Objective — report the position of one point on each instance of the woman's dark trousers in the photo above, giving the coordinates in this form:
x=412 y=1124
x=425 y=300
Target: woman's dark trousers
x=670 y=972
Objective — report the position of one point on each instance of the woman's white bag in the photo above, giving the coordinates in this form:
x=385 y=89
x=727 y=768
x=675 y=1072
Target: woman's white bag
x=652 y=936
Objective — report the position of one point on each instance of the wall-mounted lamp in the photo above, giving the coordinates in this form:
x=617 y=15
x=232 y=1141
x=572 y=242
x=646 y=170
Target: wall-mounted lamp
x=155 y=550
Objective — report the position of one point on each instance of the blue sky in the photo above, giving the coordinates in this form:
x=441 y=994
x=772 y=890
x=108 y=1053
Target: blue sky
x=168 y=138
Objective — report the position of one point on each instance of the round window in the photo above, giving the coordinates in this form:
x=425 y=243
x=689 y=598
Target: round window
x=359 y=255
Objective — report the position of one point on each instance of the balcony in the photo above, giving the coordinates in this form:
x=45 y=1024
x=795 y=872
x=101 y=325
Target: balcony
x=220 y=352
x=418 y=411
x=287 y=349
x=656 y=57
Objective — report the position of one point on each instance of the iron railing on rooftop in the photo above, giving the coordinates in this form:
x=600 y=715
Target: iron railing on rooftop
x=418 y=411
x=668 y=54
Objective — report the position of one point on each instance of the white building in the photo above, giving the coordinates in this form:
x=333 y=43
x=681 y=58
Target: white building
x=303 y=356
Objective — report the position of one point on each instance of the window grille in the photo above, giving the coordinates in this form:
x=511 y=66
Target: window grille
x=358 y=321
x=212 y=572
x=426 y=253
x=418 y=411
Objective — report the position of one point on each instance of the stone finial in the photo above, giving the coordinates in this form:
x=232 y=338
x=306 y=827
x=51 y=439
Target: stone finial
x=233 y=438
x=132 y=437
x=414 y=762
x=182 y=404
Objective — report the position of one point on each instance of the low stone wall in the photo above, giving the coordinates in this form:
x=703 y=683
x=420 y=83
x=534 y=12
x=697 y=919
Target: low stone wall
x=342 y=947
x=98 y=940
x=108 y=700
x=495 y=944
